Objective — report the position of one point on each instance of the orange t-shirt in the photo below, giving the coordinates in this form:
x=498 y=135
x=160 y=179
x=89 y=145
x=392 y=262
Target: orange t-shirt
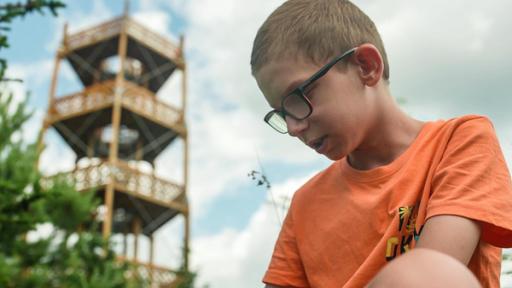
x=344 y=224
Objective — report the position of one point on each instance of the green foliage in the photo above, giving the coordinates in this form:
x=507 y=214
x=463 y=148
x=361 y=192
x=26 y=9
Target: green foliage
x=186 y=278
x=66 y=258
x=10 y=11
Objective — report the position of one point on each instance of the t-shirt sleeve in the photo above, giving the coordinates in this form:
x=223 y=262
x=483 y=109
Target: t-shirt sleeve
x=286 y=267
x=473 y=181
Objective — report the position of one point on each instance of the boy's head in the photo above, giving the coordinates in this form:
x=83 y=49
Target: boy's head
x=316 y=30
x=313 y=61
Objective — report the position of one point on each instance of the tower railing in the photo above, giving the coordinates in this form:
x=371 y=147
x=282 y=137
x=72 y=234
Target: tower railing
x=134 y=98
x=144 y=102
x=113 y=28
x=128 y=179
x=158 y=275
x=92 y=35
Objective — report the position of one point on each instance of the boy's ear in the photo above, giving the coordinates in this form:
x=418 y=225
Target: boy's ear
x=367 y=57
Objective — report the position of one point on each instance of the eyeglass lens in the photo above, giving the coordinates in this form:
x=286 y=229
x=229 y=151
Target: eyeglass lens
x=296 y=106
x=277 y=122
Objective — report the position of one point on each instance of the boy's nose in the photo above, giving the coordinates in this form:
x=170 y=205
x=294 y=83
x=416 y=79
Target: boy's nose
x=296 y=127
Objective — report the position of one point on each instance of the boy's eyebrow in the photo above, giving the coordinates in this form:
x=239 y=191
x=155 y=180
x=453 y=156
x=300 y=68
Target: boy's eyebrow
x=291 y=87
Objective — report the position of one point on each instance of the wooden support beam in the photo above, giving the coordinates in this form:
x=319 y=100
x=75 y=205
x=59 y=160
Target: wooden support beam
x=186 y=241
x=151 y=249
x=184 y=91
x=56 y=68
x=139 y=153
x=185 y=152
x=125 y=244
x=40 y=142
x=116 y=123
x=65 y=37
x=183 y=80
x=118 y=93
x=151 y=257
x=185 y=163
x=91 y=143
x=109 y=205
x=136 y=233
x=53 y=84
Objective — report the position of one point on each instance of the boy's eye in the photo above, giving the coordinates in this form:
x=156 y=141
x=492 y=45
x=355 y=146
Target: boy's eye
x=309 y=91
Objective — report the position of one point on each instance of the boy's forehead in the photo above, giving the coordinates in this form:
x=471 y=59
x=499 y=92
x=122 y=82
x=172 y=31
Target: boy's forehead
x=277 y=78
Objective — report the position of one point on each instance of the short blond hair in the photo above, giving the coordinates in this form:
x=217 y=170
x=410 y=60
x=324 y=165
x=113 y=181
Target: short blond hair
x=315 y=29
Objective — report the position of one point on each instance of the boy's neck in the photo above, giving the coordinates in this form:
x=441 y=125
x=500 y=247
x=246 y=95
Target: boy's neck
x=392 y=133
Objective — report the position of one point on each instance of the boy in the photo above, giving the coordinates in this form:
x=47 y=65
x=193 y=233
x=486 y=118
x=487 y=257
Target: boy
x=397 y=183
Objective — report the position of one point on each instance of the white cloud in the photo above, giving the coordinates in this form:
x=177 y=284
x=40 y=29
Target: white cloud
x=18 y=89
x=243 y=255
x=170 y=92
x=36 y=76
x=33 y=74
x=445 y=66
x=225 y=31
x=178 y=6
x=157 y=20
x=57 y=156
x=506 y=279
x=32 y=127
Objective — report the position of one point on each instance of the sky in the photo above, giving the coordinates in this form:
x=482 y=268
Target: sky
x=447 y=58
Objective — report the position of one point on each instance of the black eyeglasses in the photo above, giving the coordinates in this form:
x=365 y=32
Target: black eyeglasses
x=296 y=104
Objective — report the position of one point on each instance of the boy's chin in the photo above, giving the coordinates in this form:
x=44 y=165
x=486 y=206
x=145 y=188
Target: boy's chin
x=334 y=156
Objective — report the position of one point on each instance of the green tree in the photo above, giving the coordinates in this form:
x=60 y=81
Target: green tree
x=66 y=257
x=186 y=278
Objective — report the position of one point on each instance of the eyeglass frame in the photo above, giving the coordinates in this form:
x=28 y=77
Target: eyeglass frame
x=300 y=91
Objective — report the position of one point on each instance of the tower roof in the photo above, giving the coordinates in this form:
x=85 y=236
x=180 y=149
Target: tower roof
x=87 y=50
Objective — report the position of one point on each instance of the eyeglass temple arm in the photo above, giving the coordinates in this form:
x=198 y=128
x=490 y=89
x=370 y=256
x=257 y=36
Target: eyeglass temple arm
x=327 y=67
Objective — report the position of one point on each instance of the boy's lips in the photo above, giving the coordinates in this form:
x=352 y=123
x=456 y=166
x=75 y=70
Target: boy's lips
x=317 y=144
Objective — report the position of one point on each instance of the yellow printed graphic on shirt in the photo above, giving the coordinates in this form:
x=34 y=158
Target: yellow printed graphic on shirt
x=407 y=235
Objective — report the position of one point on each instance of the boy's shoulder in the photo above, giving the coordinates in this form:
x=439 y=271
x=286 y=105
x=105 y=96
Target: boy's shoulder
x=470 y=120
x=464 y=128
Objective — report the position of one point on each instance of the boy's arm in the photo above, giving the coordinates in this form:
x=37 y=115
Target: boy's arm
x=455 y=236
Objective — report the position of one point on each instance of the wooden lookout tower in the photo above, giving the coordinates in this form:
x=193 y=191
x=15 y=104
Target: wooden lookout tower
x=116 y=121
